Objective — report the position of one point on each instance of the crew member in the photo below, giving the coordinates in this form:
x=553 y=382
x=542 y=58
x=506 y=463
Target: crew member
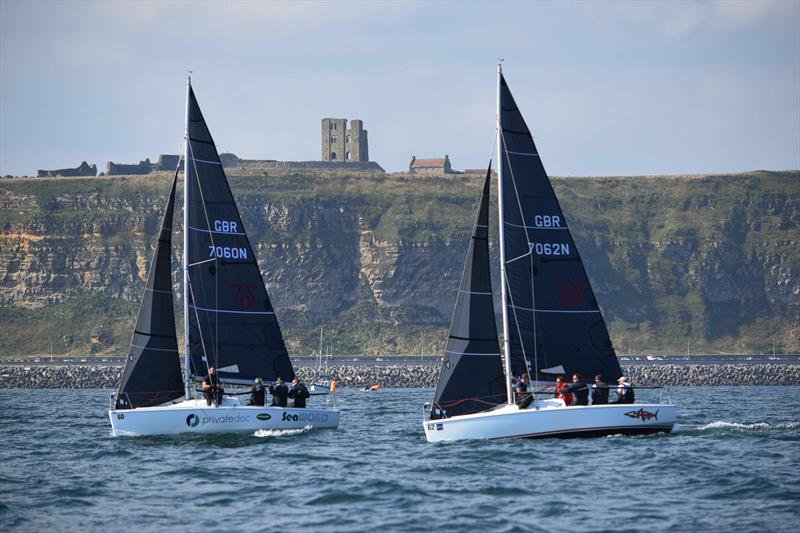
x=578 y=388
x=298 y=393
x=523 y=397
x=624 y=391
x=279 y=393
x=566 y=396
x=212 y=390
x=257 y=393
x=599 y=391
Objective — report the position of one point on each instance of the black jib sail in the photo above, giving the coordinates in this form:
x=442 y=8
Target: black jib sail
x=471 y=378
x=152 y=374
x=232 y=325
x=554 y=320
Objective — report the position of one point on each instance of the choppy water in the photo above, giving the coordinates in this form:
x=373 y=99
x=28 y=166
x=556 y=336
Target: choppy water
x=733 y=464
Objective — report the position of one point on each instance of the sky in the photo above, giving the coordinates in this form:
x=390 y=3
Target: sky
x=607 y=88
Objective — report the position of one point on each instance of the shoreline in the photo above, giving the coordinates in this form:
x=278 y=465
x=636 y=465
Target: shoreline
x=416 y=375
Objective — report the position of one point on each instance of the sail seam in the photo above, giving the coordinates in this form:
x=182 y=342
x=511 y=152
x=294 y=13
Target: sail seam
x=213 y=231
x=230 y=311
x=529 y=154
x=175 y=350
x=206 y=161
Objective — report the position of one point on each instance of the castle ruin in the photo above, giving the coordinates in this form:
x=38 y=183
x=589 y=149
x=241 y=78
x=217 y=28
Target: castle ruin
x=84 y=169
x=341 y=144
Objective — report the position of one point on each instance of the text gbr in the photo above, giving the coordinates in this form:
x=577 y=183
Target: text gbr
x=226 y=252
x=548 y=248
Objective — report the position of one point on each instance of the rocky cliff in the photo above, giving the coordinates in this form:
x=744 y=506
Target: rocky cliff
x=374 y=259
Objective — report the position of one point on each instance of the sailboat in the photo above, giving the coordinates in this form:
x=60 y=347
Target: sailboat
x=230 y=323
x=551 y=321
x=323 y=382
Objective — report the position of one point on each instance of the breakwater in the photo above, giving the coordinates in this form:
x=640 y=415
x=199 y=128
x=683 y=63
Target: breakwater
x=414 y=375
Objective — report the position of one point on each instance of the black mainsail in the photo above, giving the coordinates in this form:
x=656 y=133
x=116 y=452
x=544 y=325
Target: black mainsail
x=553 y=317
x=152 y=374
x=471 y=378
x=232 y=325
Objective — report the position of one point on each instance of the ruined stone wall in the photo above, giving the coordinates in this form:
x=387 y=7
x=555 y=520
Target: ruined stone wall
x=84 y=169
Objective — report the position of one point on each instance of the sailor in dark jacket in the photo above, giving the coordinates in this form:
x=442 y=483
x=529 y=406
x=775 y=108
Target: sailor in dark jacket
x=579 y=389
x=298 y=393
x=279 y=393
x=257 y=393
x=599 y=391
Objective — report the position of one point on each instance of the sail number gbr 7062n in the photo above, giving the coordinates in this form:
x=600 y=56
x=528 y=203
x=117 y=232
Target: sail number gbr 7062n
x=226 y=252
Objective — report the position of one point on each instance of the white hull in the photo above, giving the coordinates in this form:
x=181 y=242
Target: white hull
x=551 y=418
x=194 y=416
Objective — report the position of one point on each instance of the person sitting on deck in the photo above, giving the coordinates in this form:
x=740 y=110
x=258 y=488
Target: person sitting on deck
x=298 y=393
x=578 y=388
x=257 y=393
x=599 y=391
x=566 y=396
x=624 y=391
x=523 y=398
x=279 y=393
x=212 y=390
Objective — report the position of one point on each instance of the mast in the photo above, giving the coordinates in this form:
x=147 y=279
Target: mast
x=187 y=371
x=500 y=157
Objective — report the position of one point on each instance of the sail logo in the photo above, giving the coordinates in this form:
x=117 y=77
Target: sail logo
x=549 y=248
x=245 y=294
x=192 y=420
x=643 y=415
x=570 y=293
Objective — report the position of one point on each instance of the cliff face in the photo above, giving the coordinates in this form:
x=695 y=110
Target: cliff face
x=375 y=259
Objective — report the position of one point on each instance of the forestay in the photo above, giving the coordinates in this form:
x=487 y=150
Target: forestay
x=152 y=374
x=553 y=315
x=232 y=325
x=471 y=378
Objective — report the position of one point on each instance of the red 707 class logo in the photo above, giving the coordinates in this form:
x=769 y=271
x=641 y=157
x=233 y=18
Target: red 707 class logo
x=245 y=294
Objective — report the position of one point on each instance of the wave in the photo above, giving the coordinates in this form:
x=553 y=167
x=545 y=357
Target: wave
x=739 y=426
x=266 y=433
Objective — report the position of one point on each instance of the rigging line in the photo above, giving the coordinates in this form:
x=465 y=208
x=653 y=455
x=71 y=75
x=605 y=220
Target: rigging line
x=199 y=329
x=204 y=261
x=211 y=238
x=528 y=253
x=516 y=325
x=516 y=192
x=533 y=304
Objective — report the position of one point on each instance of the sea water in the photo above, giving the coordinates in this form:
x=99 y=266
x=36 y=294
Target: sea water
x=732 y=464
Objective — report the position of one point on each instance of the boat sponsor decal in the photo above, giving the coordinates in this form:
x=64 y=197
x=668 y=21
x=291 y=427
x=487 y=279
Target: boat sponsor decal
x=263 y=416
x=642 y=415
x=194 y=420
x=439 y=427
x=120 y=416
x=304 y=417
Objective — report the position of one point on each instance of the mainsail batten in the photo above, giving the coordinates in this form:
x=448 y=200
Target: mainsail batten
x=152 y=374
x=553 y=316
x=471 y=378
x=232 y=323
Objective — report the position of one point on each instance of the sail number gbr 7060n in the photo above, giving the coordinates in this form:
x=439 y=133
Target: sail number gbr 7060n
x=226 y=252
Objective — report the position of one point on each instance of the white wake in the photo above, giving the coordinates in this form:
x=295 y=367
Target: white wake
x=266 y=433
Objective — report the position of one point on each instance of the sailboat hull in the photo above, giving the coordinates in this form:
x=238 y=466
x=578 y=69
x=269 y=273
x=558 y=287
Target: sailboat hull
x=194 y=416
x=550 y=418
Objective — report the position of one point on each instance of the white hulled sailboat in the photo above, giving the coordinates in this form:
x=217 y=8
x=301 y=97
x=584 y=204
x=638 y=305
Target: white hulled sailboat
x=229 y=320
x=551 y=322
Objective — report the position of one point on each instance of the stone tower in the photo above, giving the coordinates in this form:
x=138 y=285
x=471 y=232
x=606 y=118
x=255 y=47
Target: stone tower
x=342 y=144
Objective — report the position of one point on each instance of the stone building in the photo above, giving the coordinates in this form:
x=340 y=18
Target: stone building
x=165 y=162
x=84 y=169
x=342 y=144
x=430 y=166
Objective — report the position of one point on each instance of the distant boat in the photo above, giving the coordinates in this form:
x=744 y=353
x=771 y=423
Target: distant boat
x=229 y=320
x=323 y=383
x=551 y=321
